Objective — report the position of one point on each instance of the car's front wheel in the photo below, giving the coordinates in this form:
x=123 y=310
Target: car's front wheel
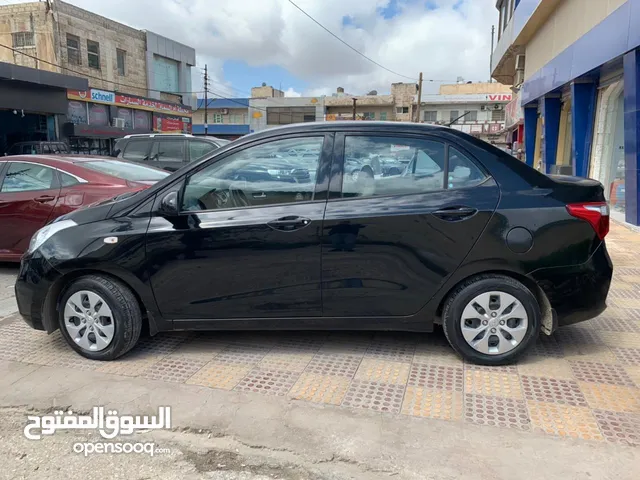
x=491 y=319
x=100 y=317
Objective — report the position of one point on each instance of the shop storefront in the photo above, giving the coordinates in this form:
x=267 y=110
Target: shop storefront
x=30 y=100
x=95 y=118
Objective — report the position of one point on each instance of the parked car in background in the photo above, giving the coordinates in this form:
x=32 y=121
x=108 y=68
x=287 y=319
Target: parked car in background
x=170 y=152
x=36 y=189
x=467 y=237
x=38 y=148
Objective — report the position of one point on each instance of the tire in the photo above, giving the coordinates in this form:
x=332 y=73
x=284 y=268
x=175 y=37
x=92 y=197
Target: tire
x=503 y=289
x=120 y=321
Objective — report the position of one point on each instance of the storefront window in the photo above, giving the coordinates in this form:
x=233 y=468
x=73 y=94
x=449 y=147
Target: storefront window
x=77 y=113
x=98 y=115
x=90 y=146
x=142 y=119
x=617 y=166
x=127 y=115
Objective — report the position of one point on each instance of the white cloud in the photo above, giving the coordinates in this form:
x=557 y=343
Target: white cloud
x=449 y=41
x=290 y=92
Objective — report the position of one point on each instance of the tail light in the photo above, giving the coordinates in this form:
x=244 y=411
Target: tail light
x=596 y=213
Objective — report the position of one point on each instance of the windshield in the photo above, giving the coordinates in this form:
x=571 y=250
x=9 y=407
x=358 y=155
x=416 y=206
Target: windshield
x=127 y=171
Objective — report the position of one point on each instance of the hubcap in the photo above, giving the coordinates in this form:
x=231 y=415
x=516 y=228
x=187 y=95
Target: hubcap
x=89 y=321
x=494 y=323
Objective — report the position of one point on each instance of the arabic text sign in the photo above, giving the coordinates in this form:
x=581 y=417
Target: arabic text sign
x=109 y=425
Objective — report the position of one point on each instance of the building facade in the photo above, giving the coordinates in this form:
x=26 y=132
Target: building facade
x=226 y=118
x=137 y=80
x=576 y=66
x=475 y=108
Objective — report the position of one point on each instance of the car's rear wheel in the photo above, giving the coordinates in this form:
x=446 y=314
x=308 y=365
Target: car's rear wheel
x=491 y=319
x=99 y=317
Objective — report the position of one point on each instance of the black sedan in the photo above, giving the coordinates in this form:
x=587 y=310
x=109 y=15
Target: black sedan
x=467 y=237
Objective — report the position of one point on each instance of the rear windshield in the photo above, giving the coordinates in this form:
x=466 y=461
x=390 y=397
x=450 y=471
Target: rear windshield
x=128 y=171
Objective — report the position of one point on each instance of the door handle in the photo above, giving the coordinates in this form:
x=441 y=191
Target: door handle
x=289 y=224
x=44 y=198
x=260 y=195
x=454 y=214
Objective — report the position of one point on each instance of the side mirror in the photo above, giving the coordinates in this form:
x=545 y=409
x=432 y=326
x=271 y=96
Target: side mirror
x=169 y=204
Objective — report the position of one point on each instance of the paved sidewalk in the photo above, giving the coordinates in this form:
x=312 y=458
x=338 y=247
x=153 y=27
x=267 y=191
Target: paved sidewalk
x=583 y=382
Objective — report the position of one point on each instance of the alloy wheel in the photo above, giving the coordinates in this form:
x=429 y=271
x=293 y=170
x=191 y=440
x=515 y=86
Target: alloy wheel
x=494 y=323
x=89 y=321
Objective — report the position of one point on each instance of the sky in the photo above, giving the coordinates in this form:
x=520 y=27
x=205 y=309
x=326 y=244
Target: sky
x=247 y=42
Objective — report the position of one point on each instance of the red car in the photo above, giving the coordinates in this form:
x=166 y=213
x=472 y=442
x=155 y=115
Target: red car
x=35 y=189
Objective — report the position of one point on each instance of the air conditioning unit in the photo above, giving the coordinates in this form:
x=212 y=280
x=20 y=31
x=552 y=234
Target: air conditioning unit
x=118 y=122
x=520 y=62
x=225 y=111
x=483 y=108
x=498 y=107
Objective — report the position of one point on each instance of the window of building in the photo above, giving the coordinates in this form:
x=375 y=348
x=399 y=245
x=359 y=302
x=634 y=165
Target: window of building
x=369 y=115
x=402 y=109
x=73 y=50
x=217 y=118
x=23 y=39
x=426 y=171
x=497 y=115
x=287 y=115
x=93 y=54
x=254 y=177
x=383 y=116
x=430 y=116
x=121 y=59
x=471 y=116
x=237 y=119
x=453 y=115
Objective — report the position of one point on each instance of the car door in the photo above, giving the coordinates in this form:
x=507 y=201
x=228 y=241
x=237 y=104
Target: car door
x=137 y=149
x=390 y=242
x=199 y=148
x=242 y=247
x=28 y=194
x=168 y=153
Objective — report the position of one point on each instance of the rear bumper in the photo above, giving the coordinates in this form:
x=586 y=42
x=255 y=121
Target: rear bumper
x=579 y=292
x=35 y=279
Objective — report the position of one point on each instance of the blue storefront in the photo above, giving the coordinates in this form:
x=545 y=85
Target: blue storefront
x=588 y=96
x=226 y=118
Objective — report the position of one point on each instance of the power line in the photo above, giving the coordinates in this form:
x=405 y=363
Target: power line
x=345 y=43
x=81 y=74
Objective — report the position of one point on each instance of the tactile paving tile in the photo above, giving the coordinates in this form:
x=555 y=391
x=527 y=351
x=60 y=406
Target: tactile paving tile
x=161 y=344
x=263 y=339
x=219 y=375
x=552 y=390
x=631 y=303
x=293 y=362
x=17 y=340
x=611 y=397
x=300 y=343
x=174 y=369
x=56 y=352
x=627 y=356
x=199 y=347
x=619 y=427
x=437 y=355
x=131 y=365
x=614 y=324
x=563 y=420
x=383 y=371
x=391 y=349
x=547 y=346
x=498 y=384
x=347 y=343
x=341 y=365
x=432 y=403
x=601 y=373
x=496 y=411
x=383 y=397
x=441 y=377
x=268 y=382
x=621 y=339
x=315 y=388
x=242 y=354
x=535 y=366
x=634 y=373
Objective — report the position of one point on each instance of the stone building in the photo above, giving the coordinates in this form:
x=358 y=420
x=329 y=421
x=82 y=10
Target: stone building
x=138 y=81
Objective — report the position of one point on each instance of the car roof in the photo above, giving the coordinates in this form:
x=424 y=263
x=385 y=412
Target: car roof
x=60 y=160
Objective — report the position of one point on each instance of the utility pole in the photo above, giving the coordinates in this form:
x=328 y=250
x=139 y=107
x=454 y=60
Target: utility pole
x=206 y=101
x=354 y=107
x=417 y=117
x=493 y=33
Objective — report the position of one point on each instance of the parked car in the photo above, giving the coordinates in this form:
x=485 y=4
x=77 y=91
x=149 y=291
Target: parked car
x=170 y=152
x=36 y=189
x=468 y=237
x=38 y=148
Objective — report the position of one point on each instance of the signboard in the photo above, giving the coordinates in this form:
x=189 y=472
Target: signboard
x=139 y=103
x=513 y=112
x=170 y=124
x=468 y=98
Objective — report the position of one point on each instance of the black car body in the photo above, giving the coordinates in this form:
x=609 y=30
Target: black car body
x=170 y=152
x=483 y=236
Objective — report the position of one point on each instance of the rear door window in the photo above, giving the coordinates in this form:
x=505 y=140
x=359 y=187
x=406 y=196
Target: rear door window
x=26 y=177
x=137 y=150
x=198 y=149
x=168 y=150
